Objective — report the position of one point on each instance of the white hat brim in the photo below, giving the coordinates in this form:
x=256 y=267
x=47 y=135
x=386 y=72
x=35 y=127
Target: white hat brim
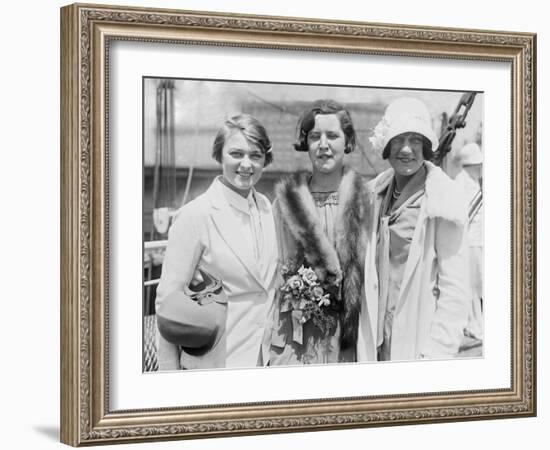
x=411 y=125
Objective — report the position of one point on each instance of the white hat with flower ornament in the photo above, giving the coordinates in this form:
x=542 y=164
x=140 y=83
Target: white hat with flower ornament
x=403 y=115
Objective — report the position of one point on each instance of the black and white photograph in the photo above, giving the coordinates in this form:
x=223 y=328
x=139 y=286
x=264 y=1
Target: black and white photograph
x=304 y=224
x=293 y=223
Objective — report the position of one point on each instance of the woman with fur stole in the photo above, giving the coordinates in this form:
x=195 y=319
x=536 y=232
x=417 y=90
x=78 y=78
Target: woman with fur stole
x=321 y=227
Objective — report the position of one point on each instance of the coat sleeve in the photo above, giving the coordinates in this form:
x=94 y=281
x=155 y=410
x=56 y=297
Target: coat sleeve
x=182 y=256
x=451 y=314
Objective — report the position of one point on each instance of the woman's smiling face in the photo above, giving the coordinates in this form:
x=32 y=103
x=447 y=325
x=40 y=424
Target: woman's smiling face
x=406 y=154
x=242 y=163
x=326 y=143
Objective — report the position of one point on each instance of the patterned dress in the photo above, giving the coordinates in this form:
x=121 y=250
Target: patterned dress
x=293 y=342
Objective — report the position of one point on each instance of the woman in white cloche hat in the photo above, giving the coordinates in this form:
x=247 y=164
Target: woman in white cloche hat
x=416 y=266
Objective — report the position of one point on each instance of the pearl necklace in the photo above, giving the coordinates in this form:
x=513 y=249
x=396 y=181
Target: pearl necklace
x=396 y=193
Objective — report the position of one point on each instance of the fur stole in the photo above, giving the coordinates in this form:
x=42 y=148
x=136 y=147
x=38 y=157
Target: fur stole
x=445 y=198
x=344 y=262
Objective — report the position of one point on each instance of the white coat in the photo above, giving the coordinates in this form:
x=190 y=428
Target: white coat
x=209 y=231
x=433 y=303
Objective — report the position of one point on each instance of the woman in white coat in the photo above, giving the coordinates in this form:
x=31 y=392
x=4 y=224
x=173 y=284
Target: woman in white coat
x=417 y=255
x=229 y=232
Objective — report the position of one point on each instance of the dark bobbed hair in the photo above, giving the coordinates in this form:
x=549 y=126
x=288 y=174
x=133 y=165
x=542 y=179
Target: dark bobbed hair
x=427 y=152
x=253 y=131
x=307 y=122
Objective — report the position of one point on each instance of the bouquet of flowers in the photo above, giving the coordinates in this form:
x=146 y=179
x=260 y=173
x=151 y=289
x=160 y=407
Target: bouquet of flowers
x=305 y=294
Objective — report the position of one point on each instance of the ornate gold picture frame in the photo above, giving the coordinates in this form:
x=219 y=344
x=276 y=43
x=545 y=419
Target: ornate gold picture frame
x=88 y=33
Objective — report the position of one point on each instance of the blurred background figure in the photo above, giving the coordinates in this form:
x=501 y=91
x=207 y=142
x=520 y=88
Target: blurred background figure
x=470 y=158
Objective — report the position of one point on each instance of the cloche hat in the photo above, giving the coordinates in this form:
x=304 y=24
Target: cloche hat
x=403 y=115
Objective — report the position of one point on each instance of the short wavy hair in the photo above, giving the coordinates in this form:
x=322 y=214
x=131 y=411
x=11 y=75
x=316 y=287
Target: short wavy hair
x=253 y=131
x=325 y=107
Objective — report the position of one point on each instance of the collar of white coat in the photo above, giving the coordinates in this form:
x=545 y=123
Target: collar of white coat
x=223 y=197
x=445 y=198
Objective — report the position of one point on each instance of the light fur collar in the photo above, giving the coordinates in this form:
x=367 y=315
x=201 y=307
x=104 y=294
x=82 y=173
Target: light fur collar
x=445 y=198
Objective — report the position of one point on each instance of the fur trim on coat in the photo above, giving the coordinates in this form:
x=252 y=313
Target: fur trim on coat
x=344 y=263
x=445 y=198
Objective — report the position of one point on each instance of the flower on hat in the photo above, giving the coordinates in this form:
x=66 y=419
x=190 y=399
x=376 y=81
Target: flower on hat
x=377 y=139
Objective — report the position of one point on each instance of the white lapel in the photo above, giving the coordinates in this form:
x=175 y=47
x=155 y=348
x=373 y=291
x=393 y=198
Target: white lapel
x=231 y=231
